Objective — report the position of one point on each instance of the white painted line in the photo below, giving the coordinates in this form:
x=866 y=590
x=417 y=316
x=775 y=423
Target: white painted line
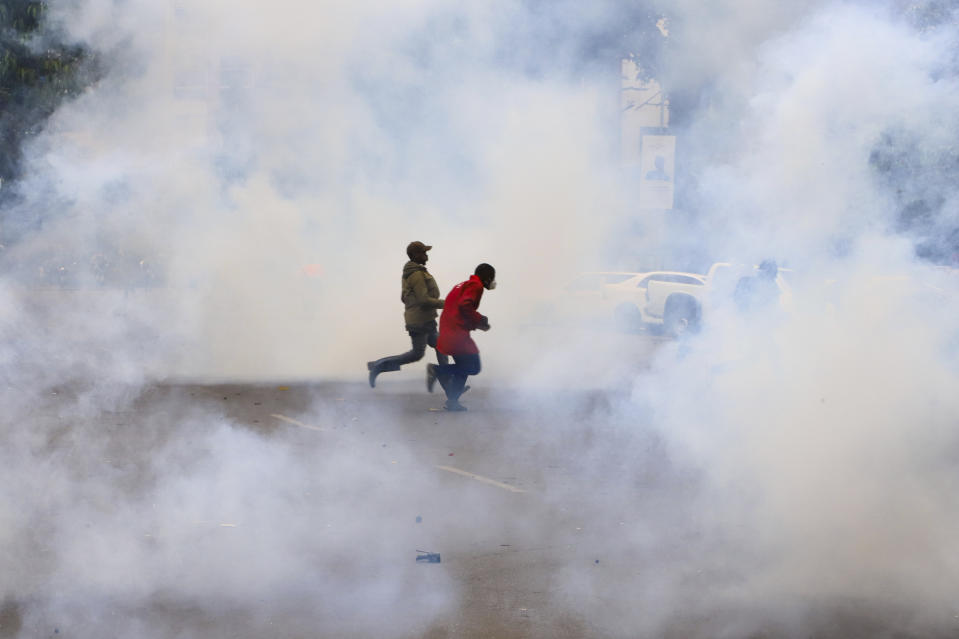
x=485 y=480
x=450 y=469
x=290 y=420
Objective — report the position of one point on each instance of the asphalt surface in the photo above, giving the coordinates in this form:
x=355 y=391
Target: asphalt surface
x=485 y=480
x=554 y=514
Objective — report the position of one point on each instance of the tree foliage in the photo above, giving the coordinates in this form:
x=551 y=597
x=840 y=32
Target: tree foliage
x=36 y=75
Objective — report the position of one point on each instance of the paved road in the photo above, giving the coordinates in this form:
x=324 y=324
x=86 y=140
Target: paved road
x=299 y=510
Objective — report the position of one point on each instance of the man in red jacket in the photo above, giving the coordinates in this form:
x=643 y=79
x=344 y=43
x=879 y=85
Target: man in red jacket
x=459 y=317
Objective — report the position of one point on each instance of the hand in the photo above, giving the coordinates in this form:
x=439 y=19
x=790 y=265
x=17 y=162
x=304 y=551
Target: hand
x=484 y=327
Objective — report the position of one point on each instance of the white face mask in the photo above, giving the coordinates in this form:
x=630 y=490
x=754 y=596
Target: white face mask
x=492 y=285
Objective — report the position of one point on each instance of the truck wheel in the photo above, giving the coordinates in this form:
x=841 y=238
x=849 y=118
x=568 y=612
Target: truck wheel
x=627 y=317
x=680 y=317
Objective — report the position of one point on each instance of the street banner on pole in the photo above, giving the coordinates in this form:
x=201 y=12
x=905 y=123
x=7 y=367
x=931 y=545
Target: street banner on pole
x=657 y=171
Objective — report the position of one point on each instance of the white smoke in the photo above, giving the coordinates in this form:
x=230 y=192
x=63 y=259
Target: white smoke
x=255 y=173
x=818 y=432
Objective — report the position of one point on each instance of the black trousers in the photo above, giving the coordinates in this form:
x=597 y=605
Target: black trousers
x=421 y=336
x=452 y=377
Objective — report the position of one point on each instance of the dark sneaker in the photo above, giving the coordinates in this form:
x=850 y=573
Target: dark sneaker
x=452 y=406
x=430 y=377
x=373 y=373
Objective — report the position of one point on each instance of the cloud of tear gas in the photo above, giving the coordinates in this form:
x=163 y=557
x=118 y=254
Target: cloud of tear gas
x=233 y=199
x=185 y=512
x=272 y=164
x=815 y=431
x=817 y=104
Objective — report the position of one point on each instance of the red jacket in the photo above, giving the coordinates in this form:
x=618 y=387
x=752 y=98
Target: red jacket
x=459 y=317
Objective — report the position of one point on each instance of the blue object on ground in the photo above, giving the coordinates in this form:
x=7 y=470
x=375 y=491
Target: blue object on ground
x=428 y=558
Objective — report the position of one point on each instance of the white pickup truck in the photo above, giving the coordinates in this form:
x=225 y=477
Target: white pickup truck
x=674 y=300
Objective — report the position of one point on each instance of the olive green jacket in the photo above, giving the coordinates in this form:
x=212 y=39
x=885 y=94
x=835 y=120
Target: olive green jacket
x=420 y=295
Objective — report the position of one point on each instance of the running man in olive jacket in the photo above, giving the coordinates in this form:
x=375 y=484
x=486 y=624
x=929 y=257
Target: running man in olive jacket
x=421 y=297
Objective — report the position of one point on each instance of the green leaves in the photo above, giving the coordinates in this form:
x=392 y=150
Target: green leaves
x=21 y=16
x=32 y=83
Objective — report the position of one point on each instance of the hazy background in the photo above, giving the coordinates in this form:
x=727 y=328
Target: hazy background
x=262 y=170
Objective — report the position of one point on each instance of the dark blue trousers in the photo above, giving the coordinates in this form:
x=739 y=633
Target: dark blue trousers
x=452 y=377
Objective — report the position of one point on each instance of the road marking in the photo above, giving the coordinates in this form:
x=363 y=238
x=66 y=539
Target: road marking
x=449 y=469
x=290 y=420
x=485 y=480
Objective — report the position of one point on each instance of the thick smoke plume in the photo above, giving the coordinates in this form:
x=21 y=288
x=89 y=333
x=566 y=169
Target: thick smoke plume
x=231 y=201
